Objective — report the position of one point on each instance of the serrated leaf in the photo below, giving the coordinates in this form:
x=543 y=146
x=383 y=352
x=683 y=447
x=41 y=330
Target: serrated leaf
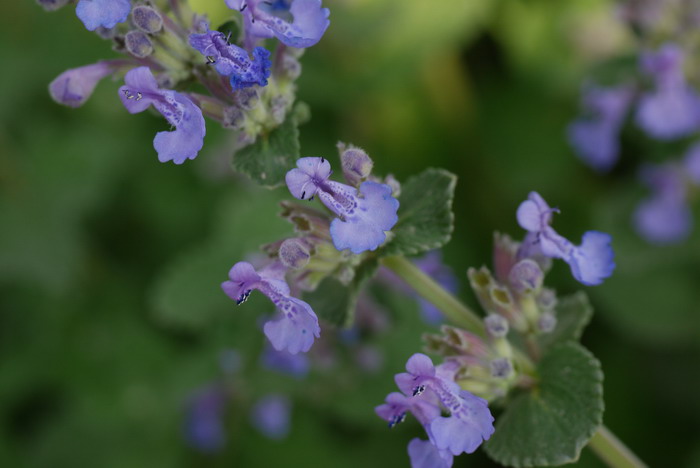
x=550 y=424
x=573 y=315
x=426 y=220
x=334 y=302
x=268 y=159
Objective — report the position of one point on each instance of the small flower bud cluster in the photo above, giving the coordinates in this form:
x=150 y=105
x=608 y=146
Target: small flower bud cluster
x=168 y=48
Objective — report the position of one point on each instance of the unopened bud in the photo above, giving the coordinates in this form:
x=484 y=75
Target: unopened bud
x=278 y=108
x=496 y=325
x=294 y=254
x=138 y=44
x=247 y=98
x=547 y=322
x=291 y=67
x=501 y=368
x=146 y=19
x=357 y=165
x=526 y=275
x=233 y=118
x=547 y=299
x=51 y=5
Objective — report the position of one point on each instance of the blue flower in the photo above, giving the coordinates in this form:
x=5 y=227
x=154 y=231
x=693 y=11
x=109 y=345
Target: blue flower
x=232 y=61
x=432 y=265
x=363 y=215
x=296 y=365
x=596 y=135
x=105 y=13
x=296 y=23
x=204 y=426
x=271 y=415
x=424 y=454
x=141 y=91
x=75 y=86
x=672 y=109
x=590 y=263
x=296 y=325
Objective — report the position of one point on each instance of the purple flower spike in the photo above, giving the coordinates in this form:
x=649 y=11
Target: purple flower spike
x=75 y=86
x=265 y=19
x=590 y=263
x=596 y=137
x=105 y=13
x=470 y=421
x=271 y=415
x=296 y=326
x=364 y=215
x=672 y=110
x=141 y=90
x=204 y=427
x=232 y=61
x=424 y=454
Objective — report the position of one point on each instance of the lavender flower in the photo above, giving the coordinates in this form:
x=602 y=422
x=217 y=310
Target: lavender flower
x=691 y=163
x=432 y=265
x=596 y=136
x=105 y=13
x=591 y=262
x=296 y=326
x=75 y=86
x=232 y=61
x=665 y=217
x=264 y=19
x=296 y=365
x=364 y=214
x=672 y=110
x=141 y=91
x=424 y=454
x=270 y=416
x=204 y=426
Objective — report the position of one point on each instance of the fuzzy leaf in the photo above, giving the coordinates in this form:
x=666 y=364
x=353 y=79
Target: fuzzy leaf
x=549 y=425
x=573 y=315
x=267 y=160
x=426 y=220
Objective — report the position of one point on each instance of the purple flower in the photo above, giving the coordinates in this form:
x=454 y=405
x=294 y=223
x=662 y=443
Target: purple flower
x=141 y=90
x=297 y=23
x=396 y=405
x=270 y=416
x=296 y=325
x=591 y=262
x=432 y=265
x=232 y=61
x=105 y=13
x=204 y=425
x=470 y=421
x=296 y=365
x=692 y=163
x=672 y=109
x=665 y=217
x=424 y=454
x=363 y=215
x=596 y=136
x=75 y=86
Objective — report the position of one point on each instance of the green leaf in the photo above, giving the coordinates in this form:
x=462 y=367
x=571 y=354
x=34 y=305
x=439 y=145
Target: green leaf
x=573 y=315
x=426 y=220
x=268 y=159
x=334 y=302
x=550 y=425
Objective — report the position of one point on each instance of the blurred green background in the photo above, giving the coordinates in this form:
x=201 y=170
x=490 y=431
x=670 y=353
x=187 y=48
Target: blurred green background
x=111 y=314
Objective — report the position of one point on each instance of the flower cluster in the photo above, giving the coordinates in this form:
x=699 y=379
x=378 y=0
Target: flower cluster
x=359 y=220
x=169 y=48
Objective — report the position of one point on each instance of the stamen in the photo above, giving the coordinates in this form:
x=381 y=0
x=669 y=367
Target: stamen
x=303 y=194
x=245 y=5
x=418 y=390
x=139 y=96
x=128 y=94
x=210 y=60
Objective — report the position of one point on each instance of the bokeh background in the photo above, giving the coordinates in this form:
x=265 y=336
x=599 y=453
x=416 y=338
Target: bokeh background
x=111 y=316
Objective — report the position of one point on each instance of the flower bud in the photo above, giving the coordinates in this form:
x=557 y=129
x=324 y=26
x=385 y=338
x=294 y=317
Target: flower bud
x=51 y=5
x=278 y=108
x=294 y=254
x=547 y=299
x=233 y=118
x=247 y=98
x=496 y=325
x=547 y=322
x=146 y=19
x=526 y=275
x=501 y=368
x=138 y=44
x=357 y=165
x=291 y=67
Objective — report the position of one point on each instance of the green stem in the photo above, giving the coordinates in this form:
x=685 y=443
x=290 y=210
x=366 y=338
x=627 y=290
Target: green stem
x=424 y=285
x=612 y=451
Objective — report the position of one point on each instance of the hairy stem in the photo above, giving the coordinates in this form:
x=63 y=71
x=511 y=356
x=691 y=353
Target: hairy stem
x=424 y=285
x=612 y=451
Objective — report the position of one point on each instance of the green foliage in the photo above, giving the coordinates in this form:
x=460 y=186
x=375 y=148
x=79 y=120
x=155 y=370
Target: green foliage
x=426 y=220
x=551 y=423
x=336 y=302
x=268 y=159
x=573 y=315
